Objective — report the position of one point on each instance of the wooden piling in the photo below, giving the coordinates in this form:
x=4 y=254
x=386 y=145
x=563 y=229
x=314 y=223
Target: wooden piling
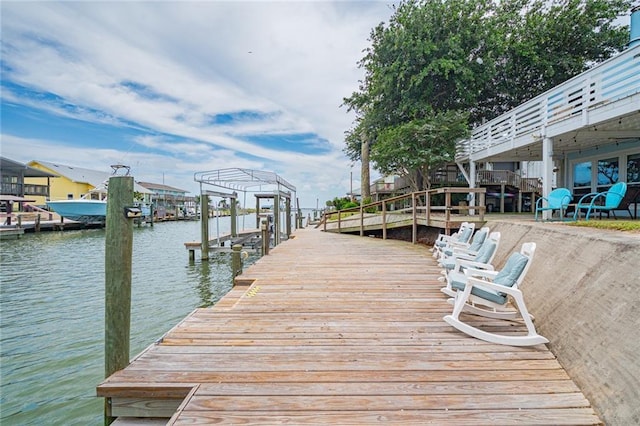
x=234 y=217
x=118 y=255
x=236 y=261
x=37 y=226
x=204 y=224
x=265 y=237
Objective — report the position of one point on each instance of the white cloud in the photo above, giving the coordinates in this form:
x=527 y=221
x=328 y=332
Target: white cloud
x=291 y=62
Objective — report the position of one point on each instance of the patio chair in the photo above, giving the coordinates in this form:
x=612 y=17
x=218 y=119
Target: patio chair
x=607 y=201
x=472 y=247
x=488 y=293
x=453 y=268
x=462 y=236
x=558 y=199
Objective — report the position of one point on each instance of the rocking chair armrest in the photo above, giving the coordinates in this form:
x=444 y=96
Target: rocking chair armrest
x=463 y=255
x=512 y=291
x=484 y=273
x=471 y=265
x=457 y=244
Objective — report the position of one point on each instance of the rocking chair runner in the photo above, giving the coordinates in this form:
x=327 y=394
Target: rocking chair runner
x=487 y=293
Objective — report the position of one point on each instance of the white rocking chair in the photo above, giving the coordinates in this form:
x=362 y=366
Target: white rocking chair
x=453 y=268
x=463 y=235
x=487 y=293
x=471 y=247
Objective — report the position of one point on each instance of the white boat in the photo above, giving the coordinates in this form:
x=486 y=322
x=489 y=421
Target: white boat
x=86 y=210
x=80 y=210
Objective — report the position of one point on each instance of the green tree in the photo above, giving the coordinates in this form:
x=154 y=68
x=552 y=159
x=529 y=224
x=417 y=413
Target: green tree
x=414 y=148
x=439 y=66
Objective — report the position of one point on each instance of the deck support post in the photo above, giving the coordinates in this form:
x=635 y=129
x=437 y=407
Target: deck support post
x=234 y=216
x=547 y=171
x=287 y=207
x=384 y=220
x=277 y=225
x=118 y=255
x=414 y=215
x=204 y=227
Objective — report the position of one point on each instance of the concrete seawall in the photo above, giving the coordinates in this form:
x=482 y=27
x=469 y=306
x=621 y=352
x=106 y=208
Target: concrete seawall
x=584 y=290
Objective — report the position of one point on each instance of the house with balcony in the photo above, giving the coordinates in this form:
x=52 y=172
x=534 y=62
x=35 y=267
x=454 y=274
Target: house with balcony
x=71 y=182
x=16 y=195
x=583 y=135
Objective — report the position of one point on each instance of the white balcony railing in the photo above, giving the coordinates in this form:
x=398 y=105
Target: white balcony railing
x=605 y=83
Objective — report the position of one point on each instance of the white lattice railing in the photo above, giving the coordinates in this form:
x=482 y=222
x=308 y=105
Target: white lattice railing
x=605 y=83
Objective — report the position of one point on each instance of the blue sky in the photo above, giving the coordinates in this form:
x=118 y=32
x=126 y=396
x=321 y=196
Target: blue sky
x=174 y=88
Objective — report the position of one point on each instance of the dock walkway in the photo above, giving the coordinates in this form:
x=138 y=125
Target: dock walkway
x=339 y=329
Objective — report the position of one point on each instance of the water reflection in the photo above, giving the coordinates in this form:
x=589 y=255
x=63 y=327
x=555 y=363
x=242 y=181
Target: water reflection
x=52 y=313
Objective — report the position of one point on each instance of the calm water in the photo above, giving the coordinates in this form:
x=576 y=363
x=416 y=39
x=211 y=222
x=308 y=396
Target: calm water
x=52 y=312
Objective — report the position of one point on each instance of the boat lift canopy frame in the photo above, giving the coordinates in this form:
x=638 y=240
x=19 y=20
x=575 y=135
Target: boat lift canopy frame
x=238 y=179
x=241 y=179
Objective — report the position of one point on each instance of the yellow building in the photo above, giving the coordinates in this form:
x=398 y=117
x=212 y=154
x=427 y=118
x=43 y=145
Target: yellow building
x=75 y=182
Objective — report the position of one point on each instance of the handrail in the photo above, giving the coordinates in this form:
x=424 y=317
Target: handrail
x=488 y=177
x=415 y=199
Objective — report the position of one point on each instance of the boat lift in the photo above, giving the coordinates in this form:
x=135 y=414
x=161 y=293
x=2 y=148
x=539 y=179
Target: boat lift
x=245 y=181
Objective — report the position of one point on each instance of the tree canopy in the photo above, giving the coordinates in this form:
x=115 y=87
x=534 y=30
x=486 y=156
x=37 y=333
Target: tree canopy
x=440 y=66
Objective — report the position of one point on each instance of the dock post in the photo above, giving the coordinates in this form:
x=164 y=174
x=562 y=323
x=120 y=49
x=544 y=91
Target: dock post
x=118 y=255
x=19 y=224
x=265 y=237
x=277 y=225
x=287 y=208
x=236 y=261
x=38 y=223
x=204 y=225
x=234 y=216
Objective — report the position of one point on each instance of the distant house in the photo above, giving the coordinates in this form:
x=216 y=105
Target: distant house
x=76 y=182
x=13 y=175
x=168 y=200
x=15 y=194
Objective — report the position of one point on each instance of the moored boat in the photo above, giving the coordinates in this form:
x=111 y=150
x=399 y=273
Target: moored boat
x=87 y=210
x=80 y=210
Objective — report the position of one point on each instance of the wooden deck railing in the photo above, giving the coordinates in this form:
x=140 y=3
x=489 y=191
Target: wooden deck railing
x=507 y=177
x=604 y=84
x=422 y=206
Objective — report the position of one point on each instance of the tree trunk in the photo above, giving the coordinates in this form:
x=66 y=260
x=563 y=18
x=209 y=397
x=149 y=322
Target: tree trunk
x=365 y=176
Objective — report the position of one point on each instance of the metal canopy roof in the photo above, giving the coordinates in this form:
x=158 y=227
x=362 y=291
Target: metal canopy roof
x=241 y=179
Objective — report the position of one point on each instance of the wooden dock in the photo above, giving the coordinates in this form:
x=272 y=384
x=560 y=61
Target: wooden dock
x=340 y=329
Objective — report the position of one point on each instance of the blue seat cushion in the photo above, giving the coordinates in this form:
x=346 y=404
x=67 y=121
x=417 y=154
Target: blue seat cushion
x=485 y=293
x=478 y=240
x=512 y=270
x=507 y=277
x=449 y=264
x=485 y=252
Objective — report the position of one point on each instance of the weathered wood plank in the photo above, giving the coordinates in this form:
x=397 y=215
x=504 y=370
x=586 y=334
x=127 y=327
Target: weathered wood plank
x=339 y=329
x=576 y=416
